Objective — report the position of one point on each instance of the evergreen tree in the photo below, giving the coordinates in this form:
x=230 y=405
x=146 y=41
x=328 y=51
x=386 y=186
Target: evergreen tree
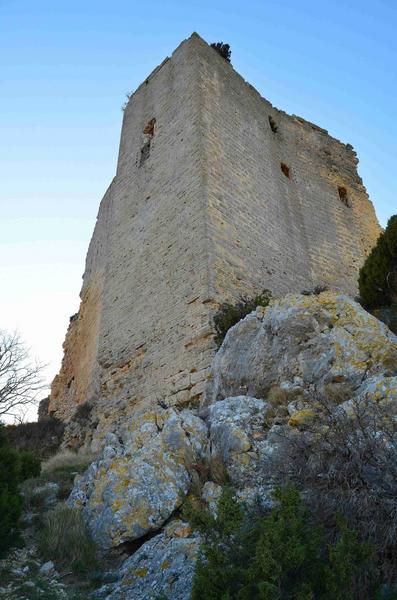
x=276 y=557
x=10 y=500
x=15 y=467
x=378 y=275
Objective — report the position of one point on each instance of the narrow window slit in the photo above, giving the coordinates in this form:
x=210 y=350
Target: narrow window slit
x=272 y=124
x=286 y=170
x=145 y=152
x=342 y=191
x=149 y=129
x=149 y=133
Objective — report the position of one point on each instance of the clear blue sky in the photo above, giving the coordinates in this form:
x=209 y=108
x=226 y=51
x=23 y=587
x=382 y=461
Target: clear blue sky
x=65 y=68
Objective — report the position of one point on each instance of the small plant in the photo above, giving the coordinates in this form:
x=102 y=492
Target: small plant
x=29 y=465
x=209 y=468
x=37 y=587
x=230 y=314
x=83 y=413
x=223 y=50
x=65 y=539
x=316 y=291
x=123 y=107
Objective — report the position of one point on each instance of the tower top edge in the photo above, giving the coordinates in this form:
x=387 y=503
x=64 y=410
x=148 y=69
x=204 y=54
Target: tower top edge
x=195 y=38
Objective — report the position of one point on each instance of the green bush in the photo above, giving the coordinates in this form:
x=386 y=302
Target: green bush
x=42 y=437
x=378 y=275
x=281 y=555
x=230 y=314
x=10 y=499
x=15 y=467
x=65 y=539
x=29 y=465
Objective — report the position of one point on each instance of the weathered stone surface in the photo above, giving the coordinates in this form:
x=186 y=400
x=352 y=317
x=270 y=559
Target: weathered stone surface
x=141 y=477
x=291 y=355
x=304 y=345
x=162 y=566
x=238 y=436
x=210 y=495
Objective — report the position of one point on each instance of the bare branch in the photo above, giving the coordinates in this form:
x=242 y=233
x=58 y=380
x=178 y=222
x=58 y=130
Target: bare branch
x=345 y=460
x=21 y=381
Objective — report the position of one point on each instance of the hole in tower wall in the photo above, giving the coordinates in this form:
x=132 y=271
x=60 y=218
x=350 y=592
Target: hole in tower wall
x=272 y=124
x=148 y=131
x=342 y=191
x=286 y=170
x=145 y=152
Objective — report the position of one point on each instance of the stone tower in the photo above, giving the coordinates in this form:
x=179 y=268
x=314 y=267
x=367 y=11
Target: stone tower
x=217 y=194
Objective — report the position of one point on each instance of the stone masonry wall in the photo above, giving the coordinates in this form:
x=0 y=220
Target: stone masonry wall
x=154 y=342
x=267 y=229
x=198 y=213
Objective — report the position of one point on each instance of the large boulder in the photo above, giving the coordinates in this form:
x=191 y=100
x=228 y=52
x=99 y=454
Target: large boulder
x=239 y=439
x=279 y=366
x=305 y=345
x=162 y=567
x=142 y=477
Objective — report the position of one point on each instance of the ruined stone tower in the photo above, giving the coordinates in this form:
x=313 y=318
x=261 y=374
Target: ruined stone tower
x=217 y=194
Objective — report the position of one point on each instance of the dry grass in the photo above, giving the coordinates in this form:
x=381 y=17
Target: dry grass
x=217 y=470
x=338 y=392
x=209 y=468
x=68 y=461
x=277 y=396
x=64 y=538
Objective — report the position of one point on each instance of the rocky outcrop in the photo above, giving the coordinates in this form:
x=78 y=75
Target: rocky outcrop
x=304 y=345
x=239 y=438
x=269 y=375
x=293 y=355
x=141 y=477
x=162 y=567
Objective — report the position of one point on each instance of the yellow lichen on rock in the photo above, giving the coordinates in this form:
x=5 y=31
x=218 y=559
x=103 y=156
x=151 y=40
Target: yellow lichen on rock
x=140 y=572
x=135 y=486
x=301 y=417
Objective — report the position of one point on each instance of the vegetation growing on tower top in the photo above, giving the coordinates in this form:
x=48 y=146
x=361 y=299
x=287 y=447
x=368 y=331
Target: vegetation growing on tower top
x=223 y=50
